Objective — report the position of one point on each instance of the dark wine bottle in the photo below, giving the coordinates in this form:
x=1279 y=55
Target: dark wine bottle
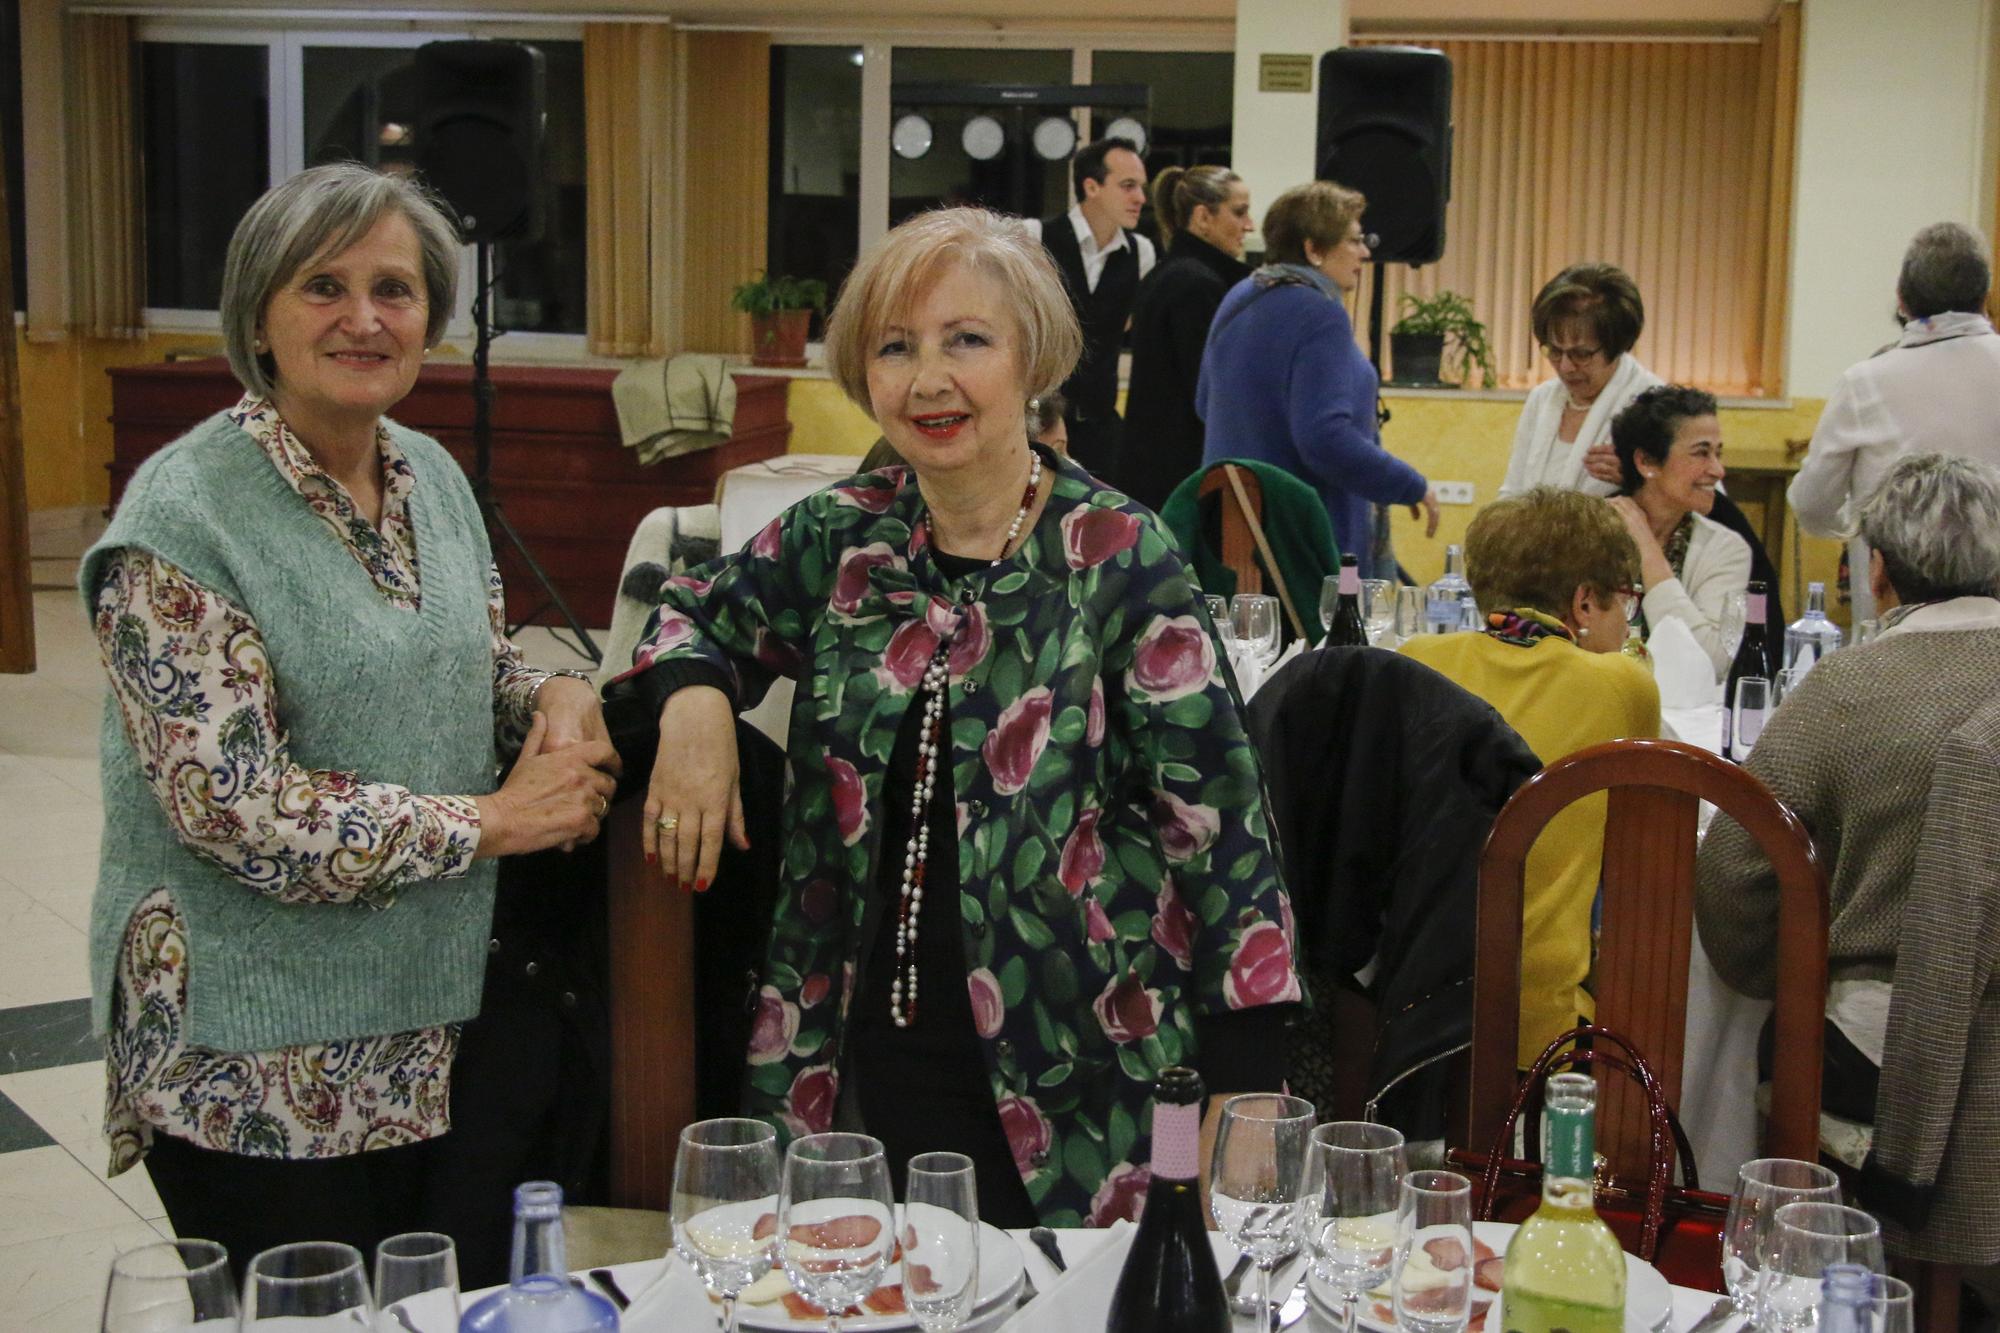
x=1169 y=1283
x=1348 y=630
x=1752 y=659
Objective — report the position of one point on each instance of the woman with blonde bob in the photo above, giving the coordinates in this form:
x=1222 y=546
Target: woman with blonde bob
x=1026 y=864
x=1553 y=570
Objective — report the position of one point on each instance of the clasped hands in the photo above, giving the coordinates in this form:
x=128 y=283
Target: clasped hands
x=559 y=789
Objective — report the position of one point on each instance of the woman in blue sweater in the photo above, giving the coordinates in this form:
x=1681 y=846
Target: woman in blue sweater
x=1282 y=381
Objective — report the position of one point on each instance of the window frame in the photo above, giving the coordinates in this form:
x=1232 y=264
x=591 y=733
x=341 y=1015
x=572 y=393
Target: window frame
x=285 y=45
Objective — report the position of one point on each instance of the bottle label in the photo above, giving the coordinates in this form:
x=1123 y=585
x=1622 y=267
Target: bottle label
x=1754 y=608
x=1570 y=1143
x=1176 y=1141
x=1350 y=580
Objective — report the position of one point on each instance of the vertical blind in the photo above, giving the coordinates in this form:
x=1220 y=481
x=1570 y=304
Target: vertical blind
x=1671 y=159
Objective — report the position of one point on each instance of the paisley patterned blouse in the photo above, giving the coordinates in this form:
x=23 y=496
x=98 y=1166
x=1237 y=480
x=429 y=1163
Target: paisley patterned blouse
x=322 y=1100
x=1116 y=869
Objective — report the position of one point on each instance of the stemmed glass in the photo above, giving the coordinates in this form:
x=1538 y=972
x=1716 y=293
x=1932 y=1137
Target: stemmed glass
x=1261 y=1180
x=725 y=1203
x=1353 y=1232
x=1409 y=614
x=1729 y=625
x=1329 y=600
x=174 y=1284
x=308 y=1284
x=416 y=1283
x=1753 y=705
x=940 y=1240
x=1805 y=1238
x=1378 y=609
x=836 y=1220
x=1435 y=1207
x=1763 y=1187
x=1895 y=1306
x=1255 y=619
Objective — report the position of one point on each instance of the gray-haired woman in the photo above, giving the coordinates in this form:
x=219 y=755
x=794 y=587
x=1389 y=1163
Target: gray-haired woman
x=311 y=684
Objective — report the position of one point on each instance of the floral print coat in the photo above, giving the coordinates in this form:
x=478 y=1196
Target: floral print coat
x=1116 y=864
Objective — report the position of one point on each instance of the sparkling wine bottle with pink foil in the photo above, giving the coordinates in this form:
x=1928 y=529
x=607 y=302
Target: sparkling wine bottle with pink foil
x=1169 y=1283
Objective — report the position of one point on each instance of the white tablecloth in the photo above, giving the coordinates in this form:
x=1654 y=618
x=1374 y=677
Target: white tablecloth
x=752 y=495
x=651 y=1314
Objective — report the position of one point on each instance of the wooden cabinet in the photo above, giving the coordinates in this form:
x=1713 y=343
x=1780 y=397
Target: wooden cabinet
x=566 y=482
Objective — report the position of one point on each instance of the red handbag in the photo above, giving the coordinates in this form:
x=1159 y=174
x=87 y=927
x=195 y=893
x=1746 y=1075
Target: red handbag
x=1676 y=1228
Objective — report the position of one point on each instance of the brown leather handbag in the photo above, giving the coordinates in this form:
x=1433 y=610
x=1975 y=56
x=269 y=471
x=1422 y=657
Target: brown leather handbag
x=1676 y=1228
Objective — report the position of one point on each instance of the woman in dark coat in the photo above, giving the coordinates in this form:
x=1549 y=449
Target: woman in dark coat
x=1204 y=217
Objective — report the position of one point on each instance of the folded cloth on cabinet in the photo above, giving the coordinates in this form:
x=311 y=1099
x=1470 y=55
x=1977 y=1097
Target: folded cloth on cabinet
x=675 y=406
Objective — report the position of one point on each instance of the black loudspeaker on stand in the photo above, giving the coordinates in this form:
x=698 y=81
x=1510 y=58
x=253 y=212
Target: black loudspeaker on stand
x=479 y=145
x=1385 y=130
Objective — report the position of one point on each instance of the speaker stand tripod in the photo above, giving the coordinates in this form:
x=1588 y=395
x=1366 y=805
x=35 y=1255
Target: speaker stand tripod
x=482 y=452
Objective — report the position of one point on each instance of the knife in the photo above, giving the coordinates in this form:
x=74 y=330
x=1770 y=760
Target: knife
x=1718 y=1314
x=602 y=1277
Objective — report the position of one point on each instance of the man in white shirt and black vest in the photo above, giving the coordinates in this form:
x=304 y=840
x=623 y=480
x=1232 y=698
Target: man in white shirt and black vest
x=1102 y=260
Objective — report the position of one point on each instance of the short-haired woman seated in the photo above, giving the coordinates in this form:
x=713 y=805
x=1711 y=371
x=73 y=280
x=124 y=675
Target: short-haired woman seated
x=1552 y=571
x=1669 y=446
x=1027 y=862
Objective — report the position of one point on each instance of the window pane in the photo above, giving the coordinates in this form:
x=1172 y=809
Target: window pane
x=1017 y=180
x=540 y=287
x=815 y=200
x=360 y=102
x=1192 y=115
x=206 y=127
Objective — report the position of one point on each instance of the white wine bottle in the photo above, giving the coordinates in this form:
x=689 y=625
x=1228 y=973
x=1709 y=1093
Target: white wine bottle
x=1565 y=1270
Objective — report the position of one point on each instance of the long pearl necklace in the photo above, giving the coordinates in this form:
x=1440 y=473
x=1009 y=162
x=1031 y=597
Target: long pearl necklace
x=930 y=746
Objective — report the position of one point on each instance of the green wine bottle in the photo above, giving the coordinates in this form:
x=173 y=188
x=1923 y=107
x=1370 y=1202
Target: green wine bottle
x=1565 y=1270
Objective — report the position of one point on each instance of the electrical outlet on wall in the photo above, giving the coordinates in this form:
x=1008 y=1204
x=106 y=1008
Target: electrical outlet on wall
x=1453 y=492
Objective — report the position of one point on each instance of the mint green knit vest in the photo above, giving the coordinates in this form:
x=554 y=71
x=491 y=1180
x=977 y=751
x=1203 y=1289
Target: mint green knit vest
x=390 y=695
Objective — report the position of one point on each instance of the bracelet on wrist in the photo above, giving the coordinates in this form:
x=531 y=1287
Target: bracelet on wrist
x=573 y=675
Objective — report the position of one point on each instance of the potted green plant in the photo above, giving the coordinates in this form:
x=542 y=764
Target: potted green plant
x=1436 y=330
x=781 y=311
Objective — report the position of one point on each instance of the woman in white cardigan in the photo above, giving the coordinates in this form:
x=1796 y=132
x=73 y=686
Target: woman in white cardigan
x=1668 y=445
x=1586 y=319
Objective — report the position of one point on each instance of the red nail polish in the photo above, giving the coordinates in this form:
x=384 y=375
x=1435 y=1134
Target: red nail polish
x=652 y=858
x=701 y=886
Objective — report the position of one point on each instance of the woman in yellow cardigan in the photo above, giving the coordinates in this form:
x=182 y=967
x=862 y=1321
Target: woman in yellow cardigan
x=1553 y=572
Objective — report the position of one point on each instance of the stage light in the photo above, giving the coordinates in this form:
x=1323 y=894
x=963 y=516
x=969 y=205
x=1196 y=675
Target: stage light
x=982 y=138
x=1055 y=138
x=1125 y=127
x=911 y=137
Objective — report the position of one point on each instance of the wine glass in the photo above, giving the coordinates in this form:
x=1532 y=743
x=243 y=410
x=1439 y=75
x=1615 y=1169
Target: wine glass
x=1805 y=1238
x=1260 y=1180
x=1729 y=624
x=1329 y=600
x=1866 y=631
x=1409 y=613
x=416 y=1283
x=1255 y=616
x=1763 y=1187
x=940 y=1240
x=835 y=1220
x=1353 y=1231
x=174 y=1284
x=725 y=1204
x=1218 y=612
x=1753 y=705
x=1434 y=1210
x=1895 y=1306
x=1378 y=608
x=306 y=1285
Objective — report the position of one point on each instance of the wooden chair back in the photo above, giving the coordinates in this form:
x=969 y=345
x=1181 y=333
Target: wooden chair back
x=1239 y=546
x=652 y=1018
x=1655 y=792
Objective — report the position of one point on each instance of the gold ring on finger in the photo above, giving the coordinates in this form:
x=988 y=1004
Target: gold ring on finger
x=603 y=807
x=668 y=823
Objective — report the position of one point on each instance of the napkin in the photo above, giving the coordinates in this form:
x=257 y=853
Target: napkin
x=1681 y=667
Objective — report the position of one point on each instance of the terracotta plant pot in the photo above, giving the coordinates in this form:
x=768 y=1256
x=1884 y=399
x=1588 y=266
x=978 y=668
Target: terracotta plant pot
x=779 y=338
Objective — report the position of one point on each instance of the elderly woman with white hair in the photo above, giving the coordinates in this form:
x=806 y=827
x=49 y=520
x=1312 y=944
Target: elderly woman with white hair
x=311 y=683
x=1852 y=750
x=1026 y=858
x=1936 y=388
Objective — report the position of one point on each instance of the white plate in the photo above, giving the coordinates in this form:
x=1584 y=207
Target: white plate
x=1649 y=1298
x=1000 y=1274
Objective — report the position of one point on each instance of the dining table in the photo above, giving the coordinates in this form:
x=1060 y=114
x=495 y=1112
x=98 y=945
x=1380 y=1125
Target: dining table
x=666 y=1296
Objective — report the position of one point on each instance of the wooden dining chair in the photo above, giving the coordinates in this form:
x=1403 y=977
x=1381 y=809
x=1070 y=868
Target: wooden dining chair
x=1655 y=789
x=1239 y=543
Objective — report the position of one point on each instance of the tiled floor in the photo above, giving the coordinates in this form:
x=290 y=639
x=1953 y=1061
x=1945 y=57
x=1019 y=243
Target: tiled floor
x=61 y=1221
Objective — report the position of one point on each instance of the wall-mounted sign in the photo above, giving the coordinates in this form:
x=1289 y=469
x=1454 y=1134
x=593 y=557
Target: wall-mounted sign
x=1278 y=73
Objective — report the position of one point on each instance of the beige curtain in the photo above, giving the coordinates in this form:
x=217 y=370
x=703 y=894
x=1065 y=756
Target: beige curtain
x=106 y=262
x=1672 y=160
x=725 y=204
x=631 y=101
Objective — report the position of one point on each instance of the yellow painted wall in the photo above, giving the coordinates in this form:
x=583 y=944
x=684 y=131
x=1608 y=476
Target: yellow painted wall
x=824 y=421
x=66 y=411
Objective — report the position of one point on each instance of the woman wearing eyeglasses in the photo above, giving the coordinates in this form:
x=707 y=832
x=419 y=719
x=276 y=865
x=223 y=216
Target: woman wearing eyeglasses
x=1586 y=319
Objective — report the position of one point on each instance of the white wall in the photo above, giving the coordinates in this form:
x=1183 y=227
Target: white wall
x=1893 y=114
x=1274 y=132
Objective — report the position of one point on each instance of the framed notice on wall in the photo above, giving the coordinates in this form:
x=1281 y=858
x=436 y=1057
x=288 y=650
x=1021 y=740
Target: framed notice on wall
x=1282 y=73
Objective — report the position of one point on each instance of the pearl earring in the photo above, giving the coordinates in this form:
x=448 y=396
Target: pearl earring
x=1583 y=631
